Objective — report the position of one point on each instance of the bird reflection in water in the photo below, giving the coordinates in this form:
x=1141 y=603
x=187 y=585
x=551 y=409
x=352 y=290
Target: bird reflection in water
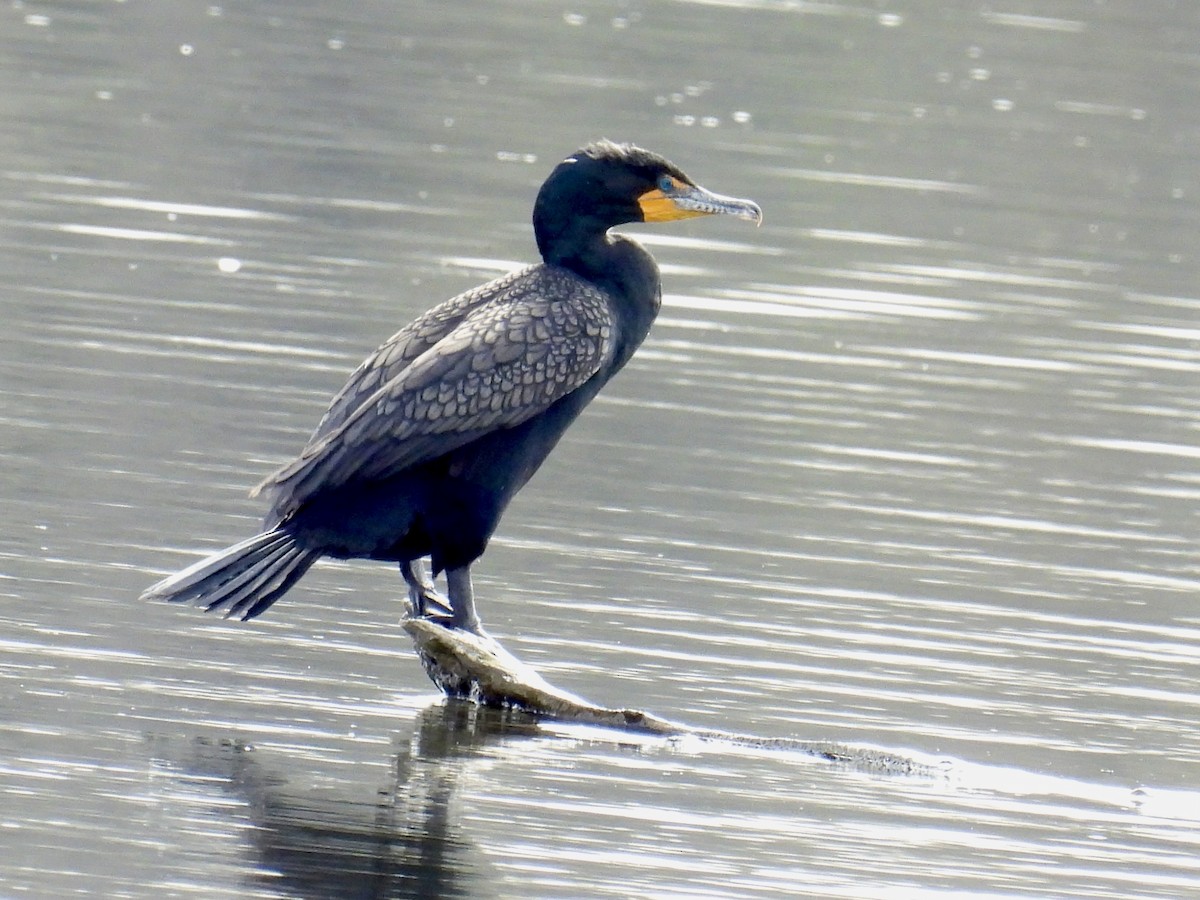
x=399 y=843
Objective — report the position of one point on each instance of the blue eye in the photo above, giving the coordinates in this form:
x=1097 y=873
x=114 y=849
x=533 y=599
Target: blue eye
x=666 y=183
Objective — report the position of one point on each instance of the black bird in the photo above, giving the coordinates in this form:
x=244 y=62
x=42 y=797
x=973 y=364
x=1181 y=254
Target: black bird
x=421 y=452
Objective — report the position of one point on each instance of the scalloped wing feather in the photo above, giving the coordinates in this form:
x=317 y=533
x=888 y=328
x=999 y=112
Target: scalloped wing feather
x=471 y=366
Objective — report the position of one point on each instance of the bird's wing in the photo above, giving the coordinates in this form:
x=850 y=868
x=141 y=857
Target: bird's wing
x=505 y=362
x=407 y=345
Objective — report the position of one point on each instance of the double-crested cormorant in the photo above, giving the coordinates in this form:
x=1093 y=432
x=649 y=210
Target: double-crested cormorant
x=421 y=452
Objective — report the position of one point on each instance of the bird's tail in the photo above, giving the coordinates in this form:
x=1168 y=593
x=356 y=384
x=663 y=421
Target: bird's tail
x=242 y=580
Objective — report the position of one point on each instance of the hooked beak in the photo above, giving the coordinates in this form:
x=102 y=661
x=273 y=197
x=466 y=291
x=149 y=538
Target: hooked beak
x=686 y=201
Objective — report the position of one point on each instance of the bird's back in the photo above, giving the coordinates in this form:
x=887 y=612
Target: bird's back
x=407 y=344
x=486 y=360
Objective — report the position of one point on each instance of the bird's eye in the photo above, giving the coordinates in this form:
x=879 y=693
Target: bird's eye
x=666 y=183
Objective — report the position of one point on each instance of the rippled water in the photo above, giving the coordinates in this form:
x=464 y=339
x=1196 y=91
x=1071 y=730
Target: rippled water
x=913 y=466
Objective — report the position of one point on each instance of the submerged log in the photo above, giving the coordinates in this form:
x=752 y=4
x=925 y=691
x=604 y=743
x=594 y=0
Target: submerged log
x=476 y=667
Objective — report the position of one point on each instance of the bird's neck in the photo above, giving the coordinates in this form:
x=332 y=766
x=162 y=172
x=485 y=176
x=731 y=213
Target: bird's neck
x=626 y=272
x=614 y=262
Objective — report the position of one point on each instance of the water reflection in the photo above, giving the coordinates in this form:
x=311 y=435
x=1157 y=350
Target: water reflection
x=318 y=842
x=915 y=466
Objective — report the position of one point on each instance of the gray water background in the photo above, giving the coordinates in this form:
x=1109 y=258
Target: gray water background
x=913 y=466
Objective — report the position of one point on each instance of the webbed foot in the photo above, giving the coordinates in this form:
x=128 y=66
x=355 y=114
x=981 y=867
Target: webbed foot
x=423 y=599
x=457 y=612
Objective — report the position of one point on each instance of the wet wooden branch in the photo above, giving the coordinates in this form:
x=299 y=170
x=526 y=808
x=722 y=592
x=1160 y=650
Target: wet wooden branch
x=478 y=668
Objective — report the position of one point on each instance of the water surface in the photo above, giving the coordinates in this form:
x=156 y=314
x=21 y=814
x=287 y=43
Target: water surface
x=913 y=466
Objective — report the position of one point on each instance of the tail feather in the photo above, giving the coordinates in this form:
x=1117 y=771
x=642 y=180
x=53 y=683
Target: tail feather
x=253 y=573
x=277 y=575
x=242 y=580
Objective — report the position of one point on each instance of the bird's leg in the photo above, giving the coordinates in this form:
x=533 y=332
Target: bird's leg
x=462 y=600
x=422 y=595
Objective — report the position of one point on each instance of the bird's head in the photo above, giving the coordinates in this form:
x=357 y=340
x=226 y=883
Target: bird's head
x=606 y=184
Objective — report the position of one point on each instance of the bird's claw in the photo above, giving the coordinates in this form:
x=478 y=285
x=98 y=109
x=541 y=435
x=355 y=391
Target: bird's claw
x=429 y=606
x=424 y=602
x=451 y=623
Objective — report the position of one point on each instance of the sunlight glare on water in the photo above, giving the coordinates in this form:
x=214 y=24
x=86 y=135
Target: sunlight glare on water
x=911 y=467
